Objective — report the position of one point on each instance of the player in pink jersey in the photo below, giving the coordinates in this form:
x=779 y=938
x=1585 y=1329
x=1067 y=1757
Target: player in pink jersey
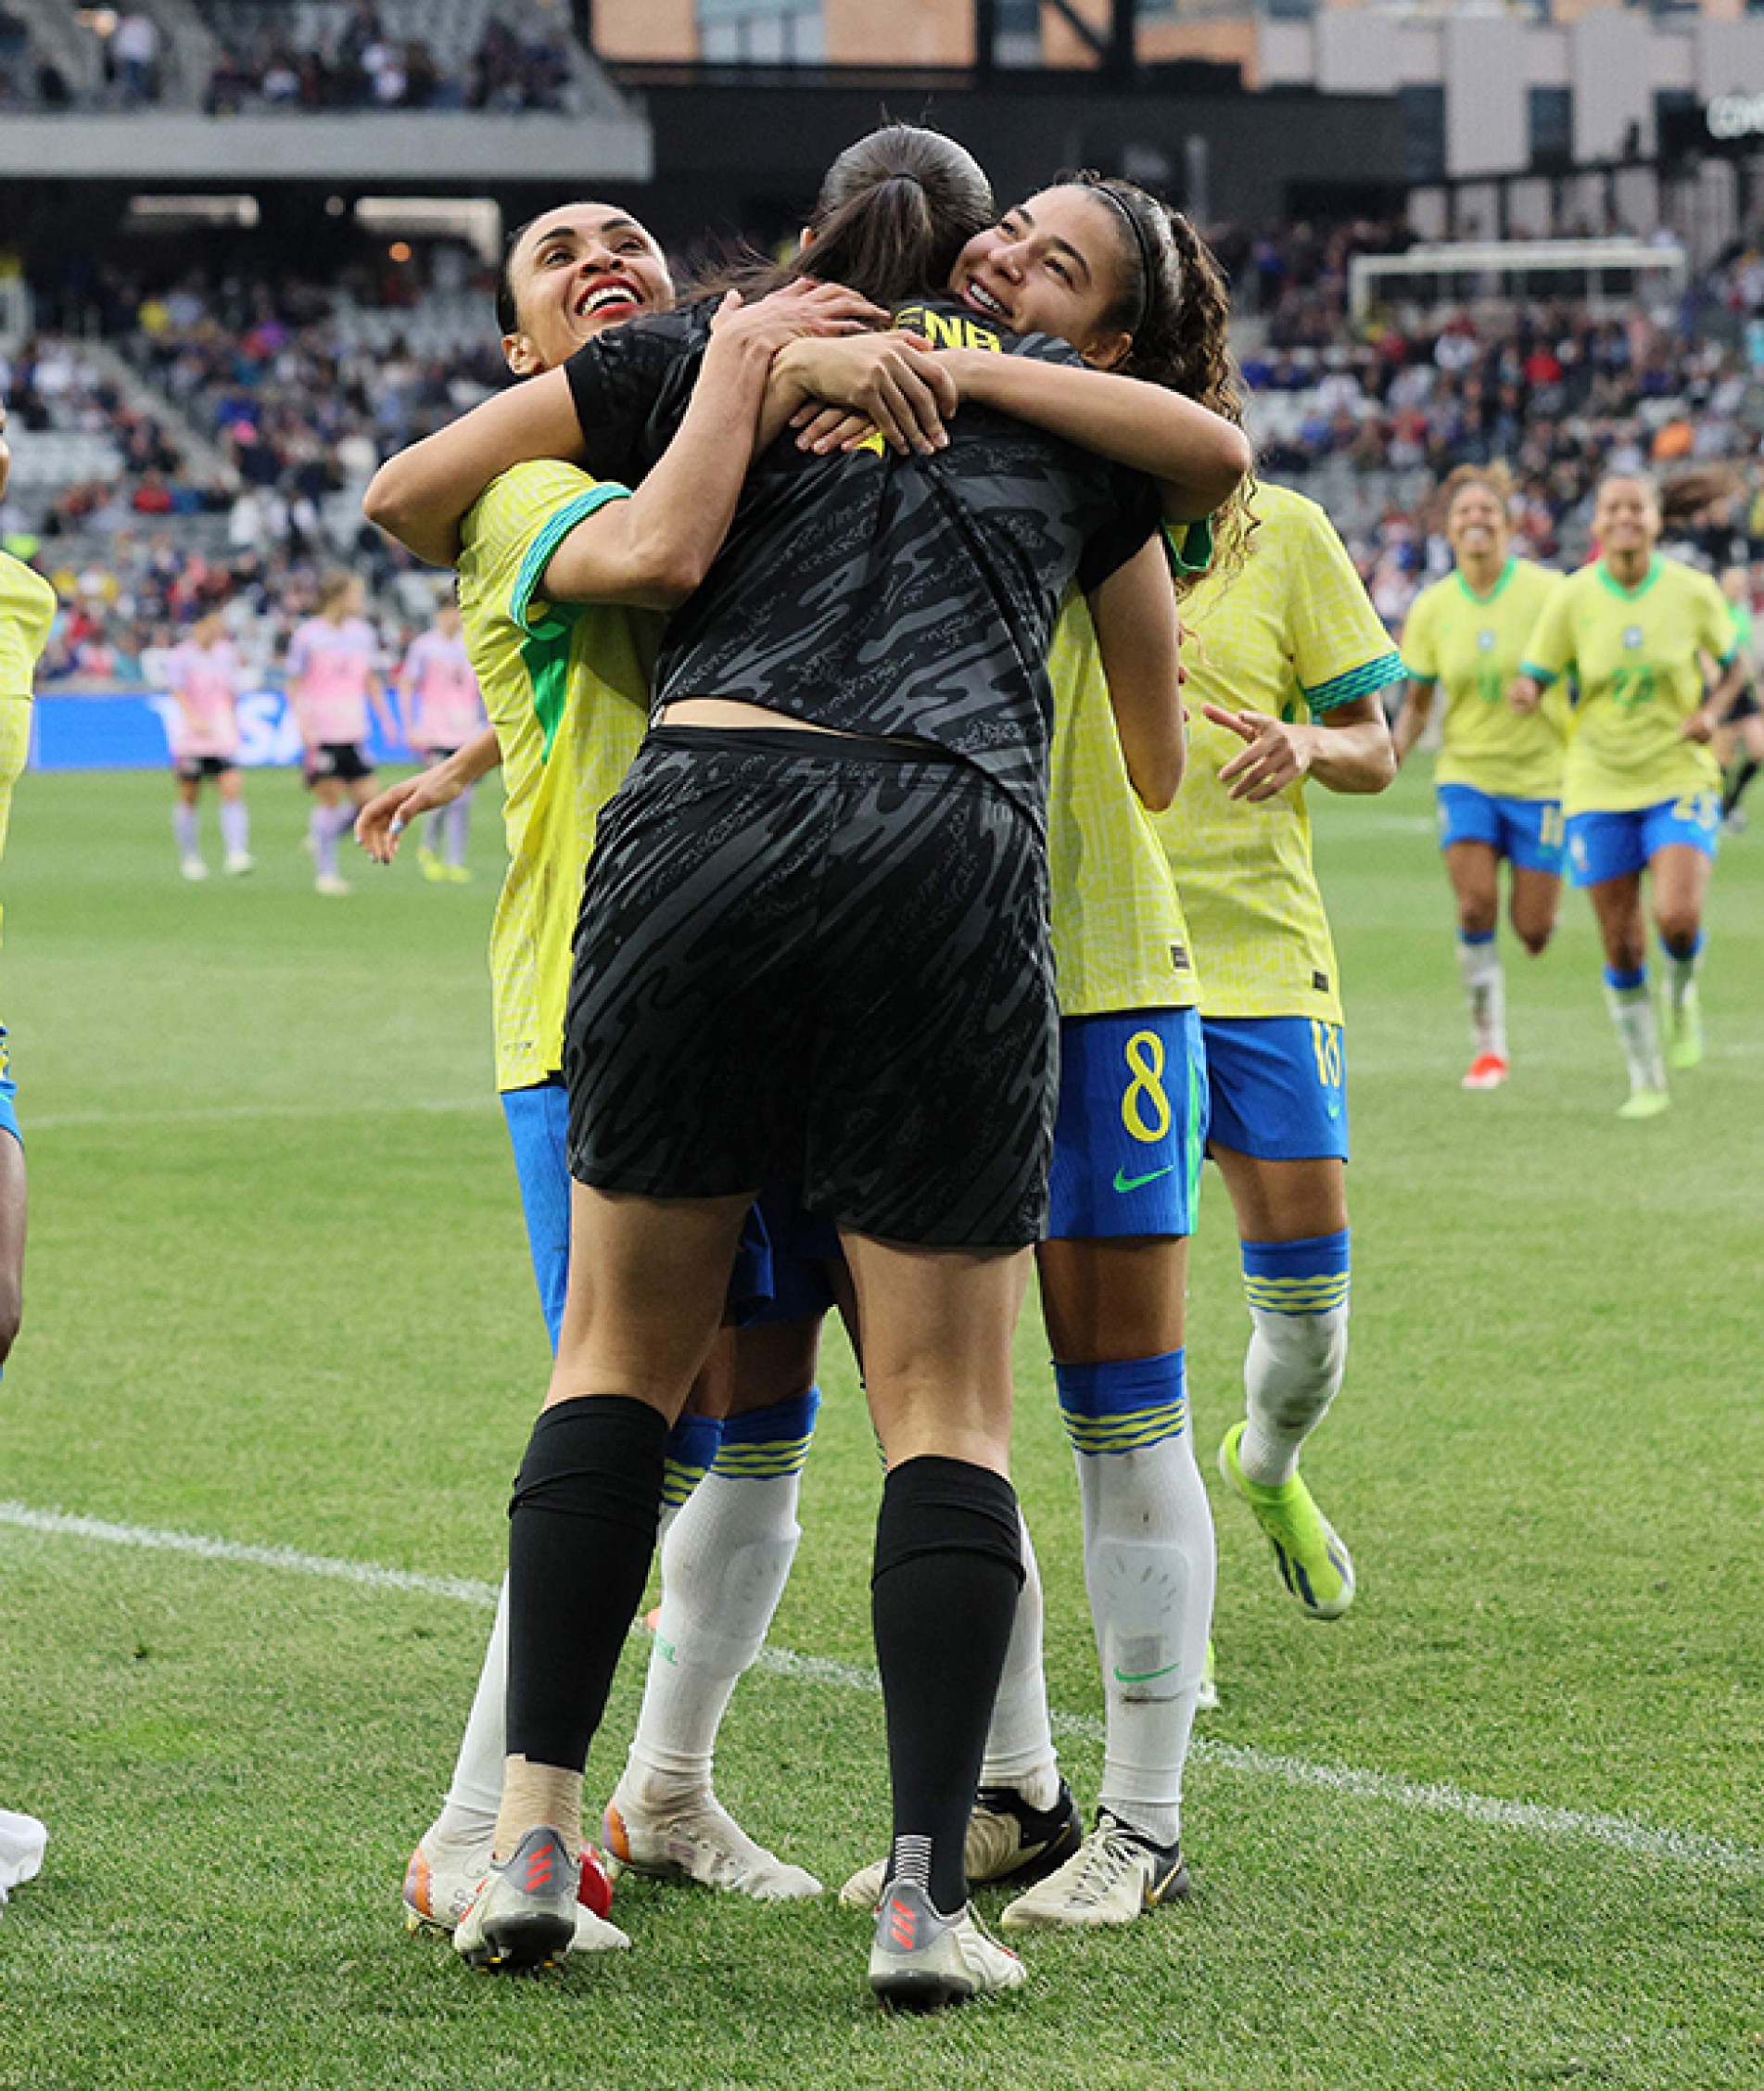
x=205 y=677
x=443 y=709
x=334 y=681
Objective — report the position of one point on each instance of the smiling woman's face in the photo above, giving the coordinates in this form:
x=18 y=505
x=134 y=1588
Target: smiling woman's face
x=1052 y=265
x=576 y=271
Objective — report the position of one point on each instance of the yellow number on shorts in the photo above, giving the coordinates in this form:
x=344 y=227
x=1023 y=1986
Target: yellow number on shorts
x=1699 y=809
x=1143 y=1054
x=1550 y=827
x=1325 y=1042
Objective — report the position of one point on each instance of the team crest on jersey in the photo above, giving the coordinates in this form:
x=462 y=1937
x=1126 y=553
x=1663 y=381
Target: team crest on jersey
x=1485 y=641
x=1633 y=637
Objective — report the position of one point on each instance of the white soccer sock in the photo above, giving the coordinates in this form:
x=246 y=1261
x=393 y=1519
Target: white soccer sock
x=725 y=1561
x=1019 y=1745
x=1633 y=1013
x=327 y=827
x=187 y=829
x=1292 y=1373
x=235 y=827
x=468 y=1814
x=1485 y=988
x=1682 y=971
x=1148 y=1566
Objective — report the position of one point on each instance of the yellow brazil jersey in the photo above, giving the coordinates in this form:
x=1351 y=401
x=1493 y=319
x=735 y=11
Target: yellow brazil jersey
x=1471 y=646
x=1637 y=654
x=567 y=687
x=27 y=610
x=1119 y=941
x=1294 y=634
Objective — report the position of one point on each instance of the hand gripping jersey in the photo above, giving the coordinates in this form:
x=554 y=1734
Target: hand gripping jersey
x=1293 y=634
x=567 y=687
x=447 y=705
x=1471 y=645
x=205 y=680
x=1637 y=654
x=331 y=669
x=1120 y=941
x=908 y=597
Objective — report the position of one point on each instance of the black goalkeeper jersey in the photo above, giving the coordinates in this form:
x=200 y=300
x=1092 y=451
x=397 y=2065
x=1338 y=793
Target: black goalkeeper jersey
x=912 y=597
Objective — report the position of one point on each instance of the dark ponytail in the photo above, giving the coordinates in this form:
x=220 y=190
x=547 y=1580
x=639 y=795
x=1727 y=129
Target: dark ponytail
x=1174 y=302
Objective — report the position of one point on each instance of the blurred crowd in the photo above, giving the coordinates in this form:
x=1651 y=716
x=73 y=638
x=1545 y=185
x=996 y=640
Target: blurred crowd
x=279 y=403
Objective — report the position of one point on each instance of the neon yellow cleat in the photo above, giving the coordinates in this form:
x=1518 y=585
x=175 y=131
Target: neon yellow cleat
x=1314 y=1566
x=1645 y=1103
x=434 y=871
x=1684 y=1030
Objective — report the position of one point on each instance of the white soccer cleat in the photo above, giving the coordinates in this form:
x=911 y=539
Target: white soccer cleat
x=239 y=862
x=331 y=886
x=193 y=868
x=443 y=1876
x=697 y=1839
x=923 y=1960
x=1117 y=1875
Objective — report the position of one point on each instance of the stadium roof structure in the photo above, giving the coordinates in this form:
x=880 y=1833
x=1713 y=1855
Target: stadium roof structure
x=404 y=149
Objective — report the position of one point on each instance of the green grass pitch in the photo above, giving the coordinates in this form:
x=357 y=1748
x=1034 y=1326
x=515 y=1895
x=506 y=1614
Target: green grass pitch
x=277 y=1296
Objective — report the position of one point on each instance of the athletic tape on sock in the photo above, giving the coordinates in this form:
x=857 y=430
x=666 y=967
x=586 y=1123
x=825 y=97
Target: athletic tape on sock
x=1626 y=980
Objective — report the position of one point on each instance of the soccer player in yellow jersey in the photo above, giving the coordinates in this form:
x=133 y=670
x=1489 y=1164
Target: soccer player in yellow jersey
x=1286 y=661
x=1652 y=644
x=27 y=609
x=1499 y=773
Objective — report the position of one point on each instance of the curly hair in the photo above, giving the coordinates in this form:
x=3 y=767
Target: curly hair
x=1174 y=302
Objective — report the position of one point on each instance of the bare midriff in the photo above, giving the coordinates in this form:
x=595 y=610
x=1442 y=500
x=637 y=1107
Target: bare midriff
x=730 y=712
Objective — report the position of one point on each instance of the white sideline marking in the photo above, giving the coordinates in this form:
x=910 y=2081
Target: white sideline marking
x=1617 y=1832
x=222 y=1114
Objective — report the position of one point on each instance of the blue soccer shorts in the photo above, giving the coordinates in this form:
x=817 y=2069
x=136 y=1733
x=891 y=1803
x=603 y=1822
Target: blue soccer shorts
x=1616 y=845
x=1525 y=832
x=8 y=1090
x=1278 y=1087
x=1132 y=1125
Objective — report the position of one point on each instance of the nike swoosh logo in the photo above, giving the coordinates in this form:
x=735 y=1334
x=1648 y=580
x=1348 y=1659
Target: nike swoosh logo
x=1143 y=1676
x=1125 y=1182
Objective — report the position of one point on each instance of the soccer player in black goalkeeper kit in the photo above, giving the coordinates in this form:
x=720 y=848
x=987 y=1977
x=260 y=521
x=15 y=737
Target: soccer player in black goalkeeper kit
x=813 y=947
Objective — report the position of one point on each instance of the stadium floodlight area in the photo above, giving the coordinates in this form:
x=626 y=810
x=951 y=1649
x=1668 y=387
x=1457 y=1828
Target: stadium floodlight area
x=1454 y=271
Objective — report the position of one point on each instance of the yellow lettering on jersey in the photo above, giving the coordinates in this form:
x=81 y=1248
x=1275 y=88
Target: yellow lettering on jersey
x=873 y=441
x=948 y=330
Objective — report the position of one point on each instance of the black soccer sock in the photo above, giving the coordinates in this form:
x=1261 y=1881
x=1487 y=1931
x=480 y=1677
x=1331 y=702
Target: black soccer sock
x=581 y=1532
x=944 y=1597
x=1738 y=777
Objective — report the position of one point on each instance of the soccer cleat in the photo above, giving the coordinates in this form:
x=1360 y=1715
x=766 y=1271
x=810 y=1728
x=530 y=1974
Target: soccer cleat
x=697 y=1839
x=923 y=1960
x=193 y=868
x=1006 y=1840
x=524 y=1912
x=1207 y=1699
x=1684 y=1029
x=1645 y=1103
x=443 y=1875
x=331 y=886
x=1117 y=1874
x=433 y=868
x=1487 y=1070
x=238 y=863
x=456 y=875
x=1314 y=1566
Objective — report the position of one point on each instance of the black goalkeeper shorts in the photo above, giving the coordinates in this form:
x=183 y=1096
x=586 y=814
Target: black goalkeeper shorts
x=823 y=964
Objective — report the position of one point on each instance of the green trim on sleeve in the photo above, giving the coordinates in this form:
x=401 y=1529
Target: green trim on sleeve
x=1194 y=553
x=1415 y=676
x=545 y=654
x=1727 y=660
x=538 y=557
x=1358 y=682
x=1543 y=678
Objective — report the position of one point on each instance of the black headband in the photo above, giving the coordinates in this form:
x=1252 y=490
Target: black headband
x=1140 y=241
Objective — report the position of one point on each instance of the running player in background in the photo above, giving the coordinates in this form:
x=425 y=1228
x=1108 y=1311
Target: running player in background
x=27 y=610
x=205 y=678
x=1498 y=774
x=334 y=670
x=1739 y=744
x=1287 y=661
x=443 y=710
x=1651 y=643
